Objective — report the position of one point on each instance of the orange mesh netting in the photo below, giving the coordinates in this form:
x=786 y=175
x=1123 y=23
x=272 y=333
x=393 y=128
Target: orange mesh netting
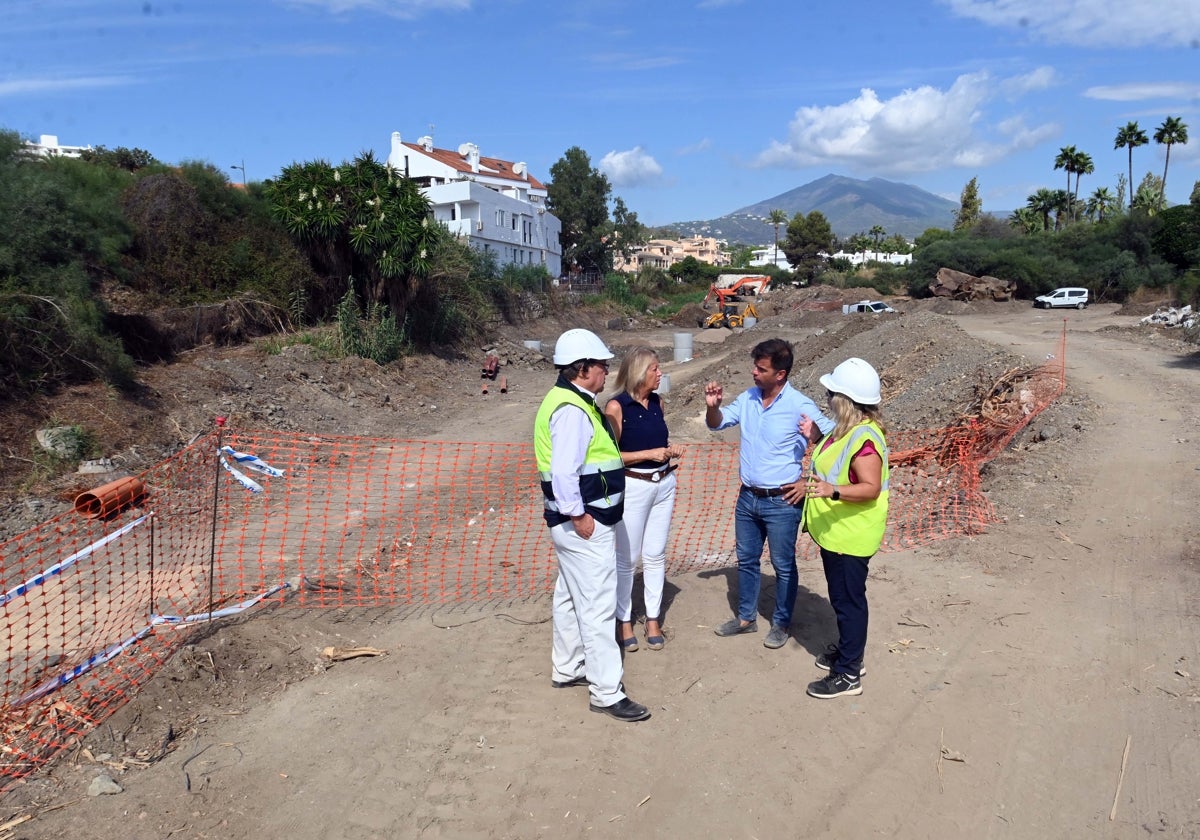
x=96 y=600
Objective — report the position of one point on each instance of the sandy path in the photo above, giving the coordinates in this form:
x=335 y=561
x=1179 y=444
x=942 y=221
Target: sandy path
x=1033 y=652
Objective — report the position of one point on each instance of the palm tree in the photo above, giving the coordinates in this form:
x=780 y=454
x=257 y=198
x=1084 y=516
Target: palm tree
x=1100 y=203
x=1042 y=203
x=1083 y=166
x=857 y=243
x=1066 y=158
x=876 y=233
x=1060 y=203
x=1025 y=219
x=1172 y=131
x=776 y=218
x=1130 y=137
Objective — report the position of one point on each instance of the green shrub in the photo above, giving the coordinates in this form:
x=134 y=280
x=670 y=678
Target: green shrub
x=373 y=335
x=616 y=289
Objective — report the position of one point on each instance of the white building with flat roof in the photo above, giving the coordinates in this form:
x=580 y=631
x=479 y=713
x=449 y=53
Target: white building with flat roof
x=495 y=205
x=48 y=146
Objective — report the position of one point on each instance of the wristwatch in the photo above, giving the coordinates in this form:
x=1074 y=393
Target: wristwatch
x=836 y=495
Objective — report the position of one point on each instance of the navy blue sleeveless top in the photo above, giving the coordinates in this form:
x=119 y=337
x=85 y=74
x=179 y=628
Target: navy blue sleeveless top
x=642 y=428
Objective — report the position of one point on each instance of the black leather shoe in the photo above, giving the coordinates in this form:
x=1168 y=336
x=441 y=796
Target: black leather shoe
x=624 y=709
x=569 y=683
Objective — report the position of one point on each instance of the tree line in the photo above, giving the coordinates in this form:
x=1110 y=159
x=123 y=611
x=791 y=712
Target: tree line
x=89 y=246
x=92 y=248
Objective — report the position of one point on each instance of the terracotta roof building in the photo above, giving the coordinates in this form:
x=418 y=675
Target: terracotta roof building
x=495 y=205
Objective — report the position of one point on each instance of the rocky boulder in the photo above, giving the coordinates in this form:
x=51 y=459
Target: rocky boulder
x=958 y=285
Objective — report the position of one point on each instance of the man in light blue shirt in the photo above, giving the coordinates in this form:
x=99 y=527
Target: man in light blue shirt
x=772 y=448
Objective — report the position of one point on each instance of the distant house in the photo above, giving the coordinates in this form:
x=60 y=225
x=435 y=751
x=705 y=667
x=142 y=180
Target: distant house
x=494 y=205
x=860 y=257
x=763 y=256
x=48 y=146
x=664 y=253
x=771 y=255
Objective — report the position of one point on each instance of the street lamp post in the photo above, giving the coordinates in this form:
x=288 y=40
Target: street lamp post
x=243 y=168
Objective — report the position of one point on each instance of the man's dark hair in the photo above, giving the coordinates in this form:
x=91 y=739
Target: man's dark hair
x=778 y=351
x=575 y=370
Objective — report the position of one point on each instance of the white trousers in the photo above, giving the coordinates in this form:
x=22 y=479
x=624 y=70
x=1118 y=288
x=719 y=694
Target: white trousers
x=642 y=534
x=585 y=604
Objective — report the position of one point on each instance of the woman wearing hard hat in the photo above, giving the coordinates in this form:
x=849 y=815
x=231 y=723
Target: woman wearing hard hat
x=845 y=511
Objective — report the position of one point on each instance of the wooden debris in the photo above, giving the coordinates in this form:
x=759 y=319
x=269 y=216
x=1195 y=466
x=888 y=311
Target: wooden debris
x=338 y=654
x=14 y=822
x=1112 y=815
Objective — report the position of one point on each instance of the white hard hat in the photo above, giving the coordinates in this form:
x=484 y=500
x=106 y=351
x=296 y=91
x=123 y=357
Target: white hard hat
x=577 y=345
x=855 y=379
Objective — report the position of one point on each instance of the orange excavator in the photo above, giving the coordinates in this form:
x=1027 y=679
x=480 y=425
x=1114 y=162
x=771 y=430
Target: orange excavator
x=747 y=286
x=727 y=298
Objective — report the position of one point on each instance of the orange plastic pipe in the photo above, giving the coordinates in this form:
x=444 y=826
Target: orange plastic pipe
x=110 y=498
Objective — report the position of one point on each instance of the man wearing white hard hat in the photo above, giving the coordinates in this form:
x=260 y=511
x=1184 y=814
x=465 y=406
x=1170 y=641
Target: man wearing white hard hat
x=845 y=512
x=583 y=482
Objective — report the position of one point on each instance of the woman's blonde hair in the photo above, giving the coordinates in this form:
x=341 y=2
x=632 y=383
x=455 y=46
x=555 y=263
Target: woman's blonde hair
x=634 y=367
x=847 y=414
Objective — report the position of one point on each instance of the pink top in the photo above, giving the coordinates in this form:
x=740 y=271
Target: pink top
x=868 y=448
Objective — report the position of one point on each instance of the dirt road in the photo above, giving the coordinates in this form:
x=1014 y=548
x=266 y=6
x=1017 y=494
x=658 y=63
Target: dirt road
x=1006 y=676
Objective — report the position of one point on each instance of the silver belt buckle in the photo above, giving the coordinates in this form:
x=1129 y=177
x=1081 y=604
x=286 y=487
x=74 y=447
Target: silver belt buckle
x=656 y=475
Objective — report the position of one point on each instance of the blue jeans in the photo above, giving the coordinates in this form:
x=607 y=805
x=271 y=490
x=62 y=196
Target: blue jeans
x=846 y=576
x=775 y=522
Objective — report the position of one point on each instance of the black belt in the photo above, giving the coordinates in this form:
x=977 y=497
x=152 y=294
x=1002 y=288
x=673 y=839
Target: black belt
x=764 y=492
x=657 y=475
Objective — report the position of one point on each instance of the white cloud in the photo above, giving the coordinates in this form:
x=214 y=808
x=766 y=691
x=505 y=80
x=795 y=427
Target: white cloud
x=635 y=61
x=1135 y=92
x=918 y=130
x=1092 y=23
x=405 y=9
x=632 y=168
x=1035 y=80
x=703 y=145
x=20 y=87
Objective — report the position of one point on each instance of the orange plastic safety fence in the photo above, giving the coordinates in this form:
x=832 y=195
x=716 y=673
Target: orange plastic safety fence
x=93 y=607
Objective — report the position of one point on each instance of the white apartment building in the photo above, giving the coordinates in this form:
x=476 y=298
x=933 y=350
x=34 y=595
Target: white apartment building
x=861 y=257
x=495 y=205
x=771 y=255
x=768 y=255
x=48 y=146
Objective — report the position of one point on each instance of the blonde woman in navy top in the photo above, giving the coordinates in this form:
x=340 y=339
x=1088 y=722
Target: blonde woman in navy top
x=637 y=418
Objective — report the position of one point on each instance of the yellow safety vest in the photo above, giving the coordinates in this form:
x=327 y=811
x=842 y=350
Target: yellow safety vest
x=602 y=476
x=854 y=528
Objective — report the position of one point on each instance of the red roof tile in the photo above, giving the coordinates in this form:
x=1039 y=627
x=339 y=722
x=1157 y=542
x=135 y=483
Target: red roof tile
x=492 y=167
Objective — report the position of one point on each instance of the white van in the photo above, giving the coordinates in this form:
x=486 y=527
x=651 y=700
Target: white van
x=875 y=307
x=1075 y=297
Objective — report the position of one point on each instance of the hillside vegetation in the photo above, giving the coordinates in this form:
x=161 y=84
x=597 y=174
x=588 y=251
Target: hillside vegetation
x=118 y=259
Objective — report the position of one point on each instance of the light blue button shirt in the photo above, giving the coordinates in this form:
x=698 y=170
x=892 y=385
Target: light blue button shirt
x=772 y=446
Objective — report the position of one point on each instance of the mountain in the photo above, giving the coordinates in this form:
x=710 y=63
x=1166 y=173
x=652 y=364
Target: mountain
x=851 y=206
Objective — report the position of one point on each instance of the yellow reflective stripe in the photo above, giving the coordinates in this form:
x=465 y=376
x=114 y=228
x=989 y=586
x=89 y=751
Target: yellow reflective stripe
x=602 y=466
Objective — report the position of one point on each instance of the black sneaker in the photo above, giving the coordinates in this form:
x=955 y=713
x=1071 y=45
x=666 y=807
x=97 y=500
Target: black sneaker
x=834 y=685
x=825 y=660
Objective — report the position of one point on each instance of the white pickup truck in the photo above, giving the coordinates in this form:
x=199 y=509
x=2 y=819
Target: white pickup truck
x=875 y=307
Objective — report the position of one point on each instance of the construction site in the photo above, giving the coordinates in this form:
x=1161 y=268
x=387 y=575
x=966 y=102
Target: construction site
x=327 y=615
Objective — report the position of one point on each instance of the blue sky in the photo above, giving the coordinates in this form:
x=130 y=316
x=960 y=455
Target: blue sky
x=693 y=109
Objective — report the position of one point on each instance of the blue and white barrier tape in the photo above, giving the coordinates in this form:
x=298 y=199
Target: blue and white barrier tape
x=62 y=566
x=249 y=461
x=55 y=683
x=182 y=621
x=112 y=651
